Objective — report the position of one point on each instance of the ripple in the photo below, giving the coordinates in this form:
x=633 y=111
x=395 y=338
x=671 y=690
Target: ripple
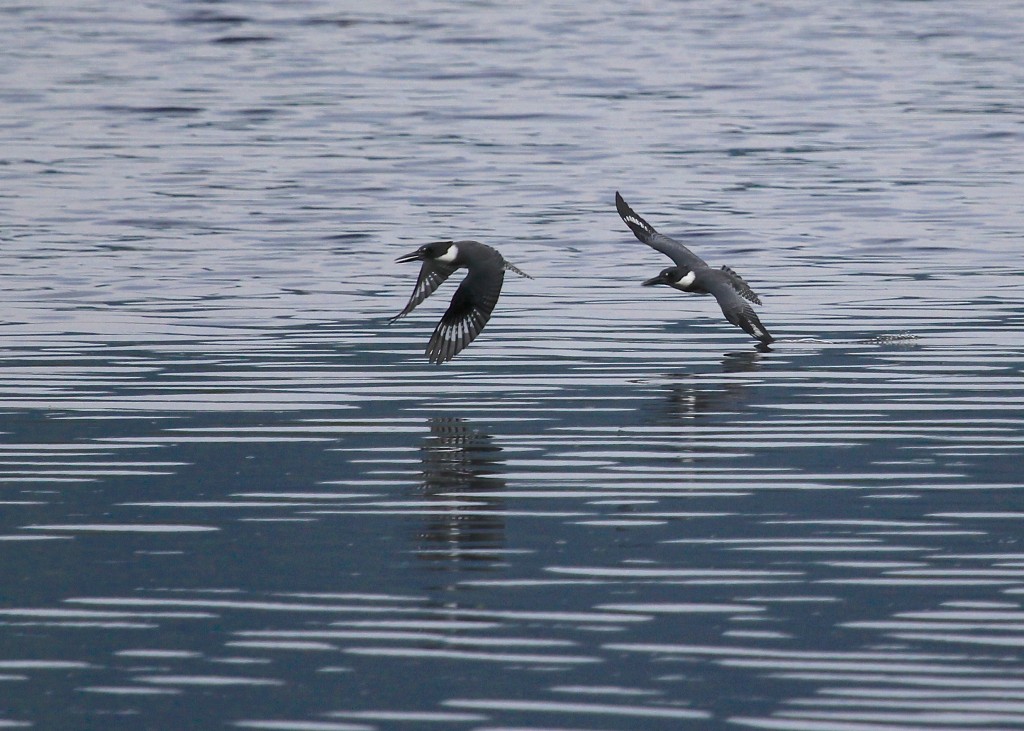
x=125 y=528
x=206 y=680
x=598 y=709
x=229 y=484
x=302 y=725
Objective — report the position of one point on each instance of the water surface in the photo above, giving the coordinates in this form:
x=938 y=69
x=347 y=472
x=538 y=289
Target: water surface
x=235 y=496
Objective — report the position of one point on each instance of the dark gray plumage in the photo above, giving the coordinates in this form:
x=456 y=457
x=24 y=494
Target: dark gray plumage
x=692 y=274
x=472 y=302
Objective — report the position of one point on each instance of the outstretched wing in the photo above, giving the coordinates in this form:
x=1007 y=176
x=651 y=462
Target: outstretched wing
x=469 y=311
x=432 y=274
x=644 y=231
x=734 y=307
x=741 y=286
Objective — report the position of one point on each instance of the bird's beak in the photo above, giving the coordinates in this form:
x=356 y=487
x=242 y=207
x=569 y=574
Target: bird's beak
x=414 y=256
x=654 y=280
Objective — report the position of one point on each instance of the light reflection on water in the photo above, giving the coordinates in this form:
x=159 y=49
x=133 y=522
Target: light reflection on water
x=720 y=517
x=233 y=495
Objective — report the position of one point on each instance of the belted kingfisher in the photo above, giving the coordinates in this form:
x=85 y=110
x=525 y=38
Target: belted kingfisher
x=472 y=302
x=692 y=274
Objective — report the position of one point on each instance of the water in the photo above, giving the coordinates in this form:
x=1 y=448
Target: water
x=233 y=495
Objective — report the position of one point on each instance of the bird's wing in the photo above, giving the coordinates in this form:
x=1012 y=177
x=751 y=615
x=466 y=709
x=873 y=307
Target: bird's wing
x=734 y=307
x=644 y=231
x=741 y=286
x=432 y=274
x=469 y=311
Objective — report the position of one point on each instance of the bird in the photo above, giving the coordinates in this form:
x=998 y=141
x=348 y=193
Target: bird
x=473 y=301
x=692 y=274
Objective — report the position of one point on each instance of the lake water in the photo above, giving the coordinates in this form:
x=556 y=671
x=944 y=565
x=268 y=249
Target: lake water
x=235 y=496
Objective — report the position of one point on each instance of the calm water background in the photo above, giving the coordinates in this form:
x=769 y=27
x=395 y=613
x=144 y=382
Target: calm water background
x=234 y=496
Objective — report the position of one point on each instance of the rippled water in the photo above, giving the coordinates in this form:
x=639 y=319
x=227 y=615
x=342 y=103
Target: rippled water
x=233 y=495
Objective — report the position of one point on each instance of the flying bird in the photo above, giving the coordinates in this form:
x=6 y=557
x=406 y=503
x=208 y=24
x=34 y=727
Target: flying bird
x=472 y=302
x=692 y=274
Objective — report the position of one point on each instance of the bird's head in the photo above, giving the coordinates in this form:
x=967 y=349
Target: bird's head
x=445 y=251
x=670 y=276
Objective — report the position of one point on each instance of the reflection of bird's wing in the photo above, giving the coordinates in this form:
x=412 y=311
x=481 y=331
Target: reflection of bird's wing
x=741 y=286
x=432 y=274
x=469 y=311
x=736 y=310
x=644 y=231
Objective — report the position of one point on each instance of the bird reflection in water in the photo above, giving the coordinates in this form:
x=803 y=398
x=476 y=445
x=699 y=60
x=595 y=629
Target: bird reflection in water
x=689 y=397
x=464 y=527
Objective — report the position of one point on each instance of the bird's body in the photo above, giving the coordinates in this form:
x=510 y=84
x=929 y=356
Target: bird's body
x=692 y=274
x=473 y=301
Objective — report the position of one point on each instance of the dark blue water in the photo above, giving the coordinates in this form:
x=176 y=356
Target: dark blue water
x=234 y=495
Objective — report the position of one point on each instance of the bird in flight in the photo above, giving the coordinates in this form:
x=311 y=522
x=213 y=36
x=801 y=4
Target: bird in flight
x=472 y=302
x=692 y=274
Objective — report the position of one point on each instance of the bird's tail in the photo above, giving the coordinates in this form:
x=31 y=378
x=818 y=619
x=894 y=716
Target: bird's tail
x=740 y=285
x=516 y=270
